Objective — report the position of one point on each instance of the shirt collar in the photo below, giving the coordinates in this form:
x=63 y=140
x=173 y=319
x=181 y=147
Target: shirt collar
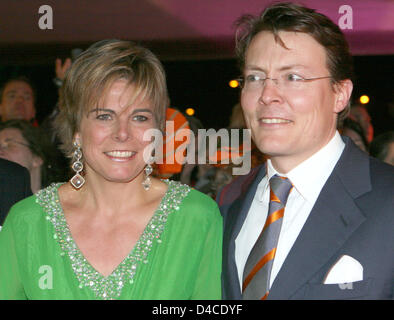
x=309 y=177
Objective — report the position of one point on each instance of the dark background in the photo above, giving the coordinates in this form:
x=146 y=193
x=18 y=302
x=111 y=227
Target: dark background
x=203 y=85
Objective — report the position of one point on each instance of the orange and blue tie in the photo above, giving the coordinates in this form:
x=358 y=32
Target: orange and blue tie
x=257 y=272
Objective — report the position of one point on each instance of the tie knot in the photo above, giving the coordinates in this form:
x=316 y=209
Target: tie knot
x=280 y=187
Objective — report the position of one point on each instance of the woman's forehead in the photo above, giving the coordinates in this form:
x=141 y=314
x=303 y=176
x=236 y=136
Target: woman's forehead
x=123 y=94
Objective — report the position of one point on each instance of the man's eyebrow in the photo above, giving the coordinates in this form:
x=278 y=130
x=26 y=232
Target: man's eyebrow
x=25 y=93
x=292 y=66
x=254 y=68
x=283 y=68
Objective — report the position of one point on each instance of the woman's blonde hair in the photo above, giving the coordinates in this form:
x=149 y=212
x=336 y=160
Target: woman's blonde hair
x=93 y=73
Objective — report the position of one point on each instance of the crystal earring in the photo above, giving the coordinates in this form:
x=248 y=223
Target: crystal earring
x=148 y=170
x=77 y=181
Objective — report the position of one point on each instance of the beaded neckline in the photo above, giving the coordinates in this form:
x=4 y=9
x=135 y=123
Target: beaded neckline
x=109 y=287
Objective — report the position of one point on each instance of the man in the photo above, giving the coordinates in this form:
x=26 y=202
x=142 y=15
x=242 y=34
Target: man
x=17 y=100
x=14 y=186
x=315 y=222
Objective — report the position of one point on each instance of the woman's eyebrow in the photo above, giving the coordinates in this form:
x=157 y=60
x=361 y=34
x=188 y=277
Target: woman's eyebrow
x=142 y=110
x=102 y=109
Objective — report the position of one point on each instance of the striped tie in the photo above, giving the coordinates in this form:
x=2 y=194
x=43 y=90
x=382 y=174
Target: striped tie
x=256 y=276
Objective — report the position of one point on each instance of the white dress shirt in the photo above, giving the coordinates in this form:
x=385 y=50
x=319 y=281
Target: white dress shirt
x=308 y=179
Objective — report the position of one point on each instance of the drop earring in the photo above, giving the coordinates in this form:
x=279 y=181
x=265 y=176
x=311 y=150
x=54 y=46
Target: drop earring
x=77 y=181
x=148 y=170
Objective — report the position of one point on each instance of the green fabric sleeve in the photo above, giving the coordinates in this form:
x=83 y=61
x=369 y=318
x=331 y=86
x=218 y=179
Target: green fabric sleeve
x=11 y=287
x=208 y=281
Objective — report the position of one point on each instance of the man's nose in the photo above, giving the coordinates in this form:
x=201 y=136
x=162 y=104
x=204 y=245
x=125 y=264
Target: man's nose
x=270 y=92
x=20 y=98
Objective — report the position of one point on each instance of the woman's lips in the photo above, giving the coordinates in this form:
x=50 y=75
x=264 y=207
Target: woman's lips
x=120 y=155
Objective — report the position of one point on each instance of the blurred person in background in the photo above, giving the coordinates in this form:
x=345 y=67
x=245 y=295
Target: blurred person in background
x=354 y=131
x=28 y=146
x=17 y=100
x=360 y=114
x=382 y=147
x=14 y=186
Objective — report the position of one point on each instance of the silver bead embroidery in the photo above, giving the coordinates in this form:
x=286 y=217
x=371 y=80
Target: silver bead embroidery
x=109 y=287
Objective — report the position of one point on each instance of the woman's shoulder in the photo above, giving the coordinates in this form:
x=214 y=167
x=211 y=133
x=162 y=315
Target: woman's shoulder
x=185 y=192
x=193 y=201
x=33 y=207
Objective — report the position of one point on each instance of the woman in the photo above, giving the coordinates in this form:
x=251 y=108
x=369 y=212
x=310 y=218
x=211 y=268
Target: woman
x=112 y=232
x=26 y=145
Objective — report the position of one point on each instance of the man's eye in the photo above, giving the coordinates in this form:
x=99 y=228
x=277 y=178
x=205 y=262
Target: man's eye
x=293 y=77
x=252 y=78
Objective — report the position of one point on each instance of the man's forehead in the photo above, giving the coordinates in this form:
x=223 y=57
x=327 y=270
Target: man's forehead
x=18 y=85
x=288 y=50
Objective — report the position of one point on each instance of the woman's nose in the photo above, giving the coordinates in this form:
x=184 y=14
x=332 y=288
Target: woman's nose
x=121 y=131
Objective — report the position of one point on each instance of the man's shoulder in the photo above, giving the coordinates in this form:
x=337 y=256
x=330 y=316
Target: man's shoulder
x=7 y=167
x=382 y=174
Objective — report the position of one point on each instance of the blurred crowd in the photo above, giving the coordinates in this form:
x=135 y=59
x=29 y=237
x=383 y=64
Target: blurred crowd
x=34 y=145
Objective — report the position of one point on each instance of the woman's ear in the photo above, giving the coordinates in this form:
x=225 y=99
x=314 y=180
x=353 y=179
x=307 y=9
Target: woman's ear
x=77 y=139
x=343 y=91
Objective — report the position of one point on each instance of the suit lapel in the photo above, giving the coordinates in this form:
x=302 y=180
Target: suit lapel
x=333 y=219
x=237 y=213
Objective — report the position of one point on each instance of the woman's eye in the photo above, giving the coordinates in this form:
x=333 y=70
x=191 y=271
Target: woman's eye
x=104 y=117
x=140 y=118
x=293 y=77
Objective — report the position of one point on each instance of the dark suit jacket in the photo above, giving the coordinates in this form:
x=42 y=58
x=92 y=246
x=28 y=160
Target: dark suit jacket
x=353 y=215
x=14 y=186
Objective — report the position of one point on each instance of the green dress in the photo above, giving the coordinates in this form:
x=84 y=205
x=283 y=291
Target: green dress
x=178 y=256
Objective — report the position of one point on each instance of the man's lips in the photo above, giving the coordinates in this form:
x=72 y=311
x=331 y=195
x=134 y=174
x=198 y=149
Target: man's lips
x=274 y=120
x=19 y=108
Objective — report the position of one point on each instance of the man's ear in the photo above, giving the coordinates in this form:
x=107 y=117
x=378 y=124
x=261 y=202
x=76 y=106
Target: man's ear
x=343 y=90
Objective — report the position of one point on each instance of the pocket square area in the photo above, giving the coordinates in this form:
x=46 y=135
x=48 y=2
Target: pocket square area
x=345 y=270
